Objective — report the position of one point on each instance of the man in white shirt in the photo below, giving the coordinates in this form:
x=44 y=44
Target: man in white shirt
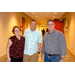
x=32 y=43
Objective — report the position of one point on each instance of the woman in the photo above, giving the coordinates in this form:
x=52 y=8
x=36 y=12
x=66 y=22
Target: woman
x=15 y=46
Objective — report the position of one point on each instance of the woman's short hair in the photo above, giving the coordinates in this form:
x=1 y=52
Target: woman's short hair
x=15 y=27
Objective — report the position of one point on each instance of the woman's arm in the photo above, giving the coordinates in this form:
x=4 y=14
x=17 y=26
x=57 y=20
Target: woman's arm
x=7 y=50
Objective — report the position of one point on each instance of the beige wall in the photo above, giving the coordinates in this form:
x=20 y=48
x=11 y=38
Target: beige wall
x=7 y=21
x=70 y=35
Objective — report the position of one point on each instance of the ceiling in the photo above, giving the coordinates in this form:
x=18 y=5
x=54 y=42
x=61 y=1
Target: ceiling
x=42 y=17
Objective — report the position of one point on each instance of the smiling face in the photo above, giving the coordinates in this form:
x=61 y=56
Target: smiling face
x=51 y=26
x=33 y=25
x=17 y=31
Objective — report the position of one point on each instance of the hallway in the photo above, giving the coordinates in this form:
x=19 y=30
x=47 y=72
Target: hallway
x=15 y=18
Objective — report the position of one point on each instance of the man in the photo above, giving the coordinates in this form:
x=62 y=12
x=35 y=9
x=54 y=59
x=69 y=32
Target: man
x=32 y=43
x=43 y=32
x=54 y=45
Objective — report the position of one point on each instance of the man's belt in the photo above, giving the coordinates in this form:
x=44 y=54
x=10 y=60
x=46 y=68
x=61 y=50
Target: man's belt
x=51 y=54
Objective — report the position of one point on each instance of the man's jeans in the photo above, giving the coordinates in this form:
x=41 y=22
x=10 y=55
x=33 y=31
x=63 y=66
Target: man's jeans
x=55 y=58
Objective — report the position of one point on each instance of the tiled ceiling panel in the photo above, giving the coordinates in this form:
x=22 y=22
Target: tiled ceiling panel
x=42 y=17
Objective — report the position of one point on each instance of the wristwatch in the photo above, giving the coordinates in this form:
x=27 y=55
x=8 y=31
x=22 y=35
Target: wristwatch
x=38 y=52
x=63 y=58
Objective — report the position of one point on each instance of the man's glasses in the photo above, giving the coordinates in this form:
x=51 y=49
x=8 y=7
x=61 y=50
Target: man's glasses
x=50 y=24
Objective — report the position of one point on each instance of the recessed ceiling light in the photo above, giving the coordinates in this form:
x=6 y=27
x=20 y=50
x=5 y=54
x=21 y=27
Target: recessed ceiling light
x=55 y=12
x=36 y=16
x=53 y=16
x=33 y=12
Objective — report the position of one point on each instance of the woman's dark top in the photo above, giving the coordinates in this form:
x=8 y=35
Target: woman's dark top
x=17 y=47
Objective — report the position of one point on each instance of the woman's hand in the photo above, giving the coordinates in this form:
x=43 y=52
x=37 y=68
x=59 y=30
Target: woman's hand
x=9 y=59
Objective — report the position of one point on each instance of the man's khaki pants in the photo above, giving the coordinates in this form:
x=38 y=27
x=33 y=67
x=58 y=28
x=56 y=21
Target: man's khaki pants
x=32 y=58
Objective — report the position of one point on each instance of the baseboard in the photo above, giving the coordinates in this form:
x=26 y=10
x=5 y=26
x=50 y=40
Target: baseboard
x=71 y=53
x=2 y=59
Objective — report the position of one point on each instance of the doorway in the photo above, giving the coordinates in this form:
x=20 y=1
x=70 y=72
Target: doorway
x=59 y=24
x=23 y=25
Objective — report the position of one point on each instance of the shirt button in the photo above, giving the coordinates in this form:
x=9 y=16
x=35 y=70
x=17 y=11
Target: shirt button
x=48 y=42
x=48 y=46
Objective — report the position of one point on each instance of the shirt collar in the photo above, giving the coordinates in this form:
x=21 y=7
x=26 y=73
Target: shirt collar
x=52 y=32
x=31 y=31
